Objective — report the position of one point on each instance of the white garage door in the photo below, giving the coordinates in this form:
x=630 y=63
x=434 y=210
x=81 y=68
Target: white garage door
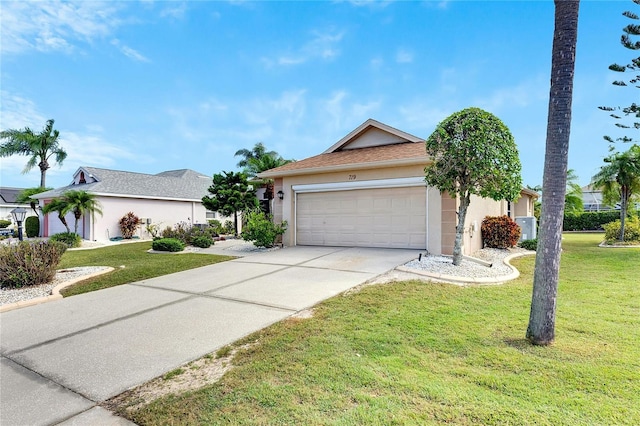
x=387 y=217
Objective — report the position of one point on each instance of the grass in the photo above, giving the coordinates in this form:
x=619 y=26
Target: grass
x=138 y=265
x=416 y=353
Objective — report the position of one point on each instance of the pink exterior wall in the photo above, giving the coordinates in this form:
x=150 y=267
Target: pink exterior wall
x=100 y=228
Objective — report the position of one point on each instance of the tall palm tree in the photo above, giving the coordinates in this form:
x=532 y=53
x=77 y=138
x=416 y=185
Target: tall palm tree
x=619 y=180
x=266 y=162
x=542 y=318
x=59 y=206
x=258 y=151
x=80 y=203
x=39 y=146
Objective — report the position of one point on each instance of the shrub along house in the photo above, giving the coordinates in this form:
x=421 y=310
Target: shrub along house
x=368 y=190
x=163 y=199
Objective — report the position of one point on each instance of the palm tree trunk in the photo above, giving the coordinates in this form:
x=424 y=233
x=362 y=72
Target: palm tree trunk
x=624 y=203
x=43 y=175
x=542 y=318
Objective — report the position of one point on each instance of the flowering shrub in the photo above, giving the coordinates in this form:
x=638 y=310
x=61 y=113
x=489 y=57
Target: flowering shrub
x=128 y=225
x=500 y=232
x=29 y=263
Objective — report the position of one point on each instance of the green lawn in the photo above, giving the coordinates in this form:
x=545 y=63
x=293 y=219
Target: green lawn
x=416 y=353
x=138 y=265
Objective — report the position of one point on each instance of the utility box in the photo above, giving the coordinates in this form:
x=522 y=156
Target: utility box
x=529 y=227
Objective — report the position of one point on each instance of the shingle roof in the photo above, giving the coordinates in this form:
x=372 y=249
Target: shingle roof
x=9 y=195
x=173 y=184
x=381 y=155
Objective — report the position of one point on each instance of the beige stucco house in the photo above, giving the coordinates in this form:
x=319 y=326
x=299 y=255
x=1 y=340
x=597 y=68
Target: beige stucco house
x=368 y=190
x=163 y=199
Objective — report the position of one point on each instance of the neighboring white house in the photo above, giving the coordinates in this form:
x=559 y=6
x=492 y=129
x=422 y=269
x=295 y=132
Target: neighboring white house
x=368 y=190
x=8 y=202
x=163 y=199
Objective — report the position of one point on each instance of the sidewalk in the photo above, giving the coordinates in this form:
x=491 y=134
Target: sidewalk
x=59 y=360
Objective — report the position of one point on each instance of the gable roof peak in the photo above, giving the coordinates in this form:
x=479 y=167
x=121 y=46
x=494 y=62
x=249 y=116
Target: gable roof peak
x=378 y=134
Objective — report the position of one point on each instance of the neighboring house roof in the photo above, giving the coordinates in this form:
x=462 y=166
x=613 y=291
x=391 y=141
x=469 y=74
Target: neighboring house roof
x=181 y=184
x=372 y=144
x=9 y=195
x=533 y=194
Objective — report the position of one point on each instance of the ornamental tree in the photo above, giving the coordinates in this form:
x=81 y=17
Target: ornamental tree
x=473 y=152
x=230 y=194
x=627 y=117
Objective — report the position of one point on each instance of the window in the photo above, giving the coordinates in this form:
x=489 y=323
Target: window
x=82 y=179
x=509 y=208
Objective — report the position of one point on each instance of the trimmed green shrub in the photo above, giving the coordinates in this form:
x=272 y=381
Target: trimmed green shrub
x=500 y=232
x=70 y=239
x=186 y=233
x=32 y=226
x=261 y=230
x=590 y=221
x=29 y=263
x=202 y=241
x=529 y=244
x=228 y=228
x=216 y=226
x=4 y=223
x=168 y=244
x=128 y=225
x=631 y=231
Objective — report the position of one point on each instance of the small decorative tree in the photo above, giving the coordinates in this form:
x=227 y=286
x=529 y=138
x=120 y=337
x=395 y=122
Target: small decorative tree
x=128 y=225
x=230 y=194
x=473 y=152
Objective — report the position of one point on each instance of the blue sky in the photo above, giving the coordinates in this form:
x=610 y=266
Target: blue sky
x=153 y=85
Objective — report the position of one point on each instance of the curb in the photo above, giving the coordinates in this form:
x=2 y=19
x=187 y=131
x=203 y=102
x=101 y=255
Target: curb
x=451 y=279
x=55 y=293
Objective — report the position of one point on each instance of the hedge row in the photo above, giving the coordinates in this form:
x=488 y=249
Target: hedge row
x=590 y=221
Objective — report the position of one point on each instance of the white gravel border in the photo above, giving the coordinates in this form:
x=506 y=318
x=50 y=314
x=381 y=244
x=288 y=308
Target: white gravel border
x=16 y=298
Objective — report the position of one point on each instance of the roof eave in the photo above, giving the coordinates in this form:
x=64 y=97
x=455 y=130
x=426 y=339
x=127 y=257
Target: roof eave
x=351 y=166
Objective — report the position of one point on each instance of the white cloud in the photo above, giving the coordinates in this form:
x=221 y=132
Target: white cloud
x=129 y=52
x=174 y=10
x=55 y=25
x=519 y=96
x=404 y=56
x=322 y=45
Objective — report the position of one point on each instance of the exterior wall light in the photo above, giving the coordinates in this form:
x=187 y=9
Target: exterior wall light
x=280 y=195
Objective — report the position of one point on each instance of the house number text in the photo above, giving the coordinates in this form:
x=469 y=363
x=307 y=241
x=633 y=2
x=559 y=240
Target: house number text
x=352 y=177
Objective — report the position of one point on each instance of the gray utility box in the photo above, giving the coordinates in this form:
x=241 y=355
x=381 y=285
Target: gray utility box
x=528 y=224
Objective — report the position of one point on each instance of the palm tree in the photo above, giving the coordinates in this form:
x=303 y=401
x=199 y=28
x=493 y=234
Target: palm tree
x=259 y=160
x=619 y=180
x=24 y=197
x=573 y=198
x=58 y=205
x=257 y=151
x=542 y=317
x=39 y=146
x=80 y=203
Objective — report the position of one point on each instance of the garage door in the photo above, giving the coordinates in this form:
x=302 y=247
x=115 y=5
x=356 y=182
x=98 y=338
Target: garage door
x=386 y=217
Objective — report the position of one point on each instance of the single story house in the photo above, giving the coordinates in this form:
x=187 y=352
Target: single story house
x=8 y=202
x=368 y=190
x=163 y=199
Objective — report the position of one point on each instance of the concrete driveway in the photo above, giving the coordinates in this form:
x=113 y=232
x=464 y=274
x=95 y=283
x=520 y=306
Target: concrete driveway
x=60 y=359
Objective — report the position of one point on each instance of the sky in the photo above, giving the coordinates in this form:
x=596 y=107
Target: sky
x=151 y=86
